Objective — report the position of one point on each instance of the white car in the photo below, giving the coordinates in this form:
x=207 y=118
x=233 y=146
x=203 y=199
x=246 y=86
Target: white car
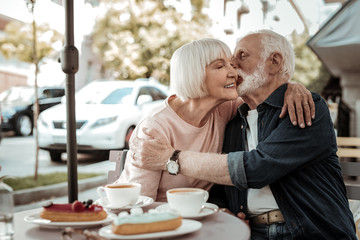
x=106 y=115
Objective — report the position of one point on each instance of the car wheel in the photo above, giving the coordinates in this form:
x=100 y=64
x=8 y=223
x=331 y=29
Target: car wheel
x=128 y=135
x=55 y=156
x=23 y=126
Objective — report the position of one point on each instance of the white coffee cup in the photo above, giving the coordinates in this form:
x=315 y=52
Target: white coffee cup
x=120 y=194
x=187 y=201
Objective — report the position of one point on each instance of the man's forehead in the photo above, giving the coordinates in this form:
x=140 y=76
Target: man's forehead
x=248 y=43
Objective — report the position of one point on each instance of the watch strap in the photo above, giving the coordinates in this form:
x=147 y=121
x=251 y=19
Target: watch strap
x=175 y=156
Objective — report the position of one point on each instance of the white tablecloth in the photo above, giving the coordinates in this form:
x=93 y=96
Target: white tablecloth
x=218 y=226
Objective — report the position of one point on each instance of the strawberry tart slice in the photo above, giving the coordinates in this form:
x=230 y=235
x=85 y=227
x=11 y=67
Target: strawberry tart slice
x=73 y=212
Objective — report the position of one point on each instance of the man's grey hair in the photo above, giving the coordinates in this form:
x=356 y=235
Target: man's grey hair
x=274 y=42
x=188 y=66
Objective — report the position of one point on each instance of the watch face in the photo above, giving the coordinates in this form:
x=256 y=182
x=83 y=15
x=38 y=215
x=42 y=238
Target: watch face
x=173 y=167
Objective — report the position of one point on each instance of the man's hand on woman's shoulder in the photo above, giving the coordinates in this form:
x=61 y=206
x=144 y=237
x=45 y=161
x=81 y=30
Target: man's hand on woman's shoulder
x=299 y=103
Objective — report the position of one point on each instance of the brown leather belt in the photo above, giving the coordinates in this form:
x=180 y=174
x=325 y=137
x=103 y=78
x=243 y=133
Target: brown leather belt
x=268 y=218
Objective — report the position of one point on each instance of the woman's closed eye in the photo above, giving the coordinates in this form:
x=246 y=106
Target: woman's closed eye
x=219 y=66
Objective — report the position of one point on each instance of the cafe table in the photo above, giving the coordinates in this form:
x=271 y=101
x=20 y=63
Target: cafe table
x=219 y=225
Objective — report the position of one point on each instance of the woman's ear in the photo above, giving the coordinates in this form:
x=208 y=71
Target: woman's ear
x=276 y=62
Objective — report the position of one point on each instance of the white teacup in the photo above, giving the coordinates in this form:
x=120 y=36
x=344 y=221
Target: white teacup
x=120 y=194
x=187 y=201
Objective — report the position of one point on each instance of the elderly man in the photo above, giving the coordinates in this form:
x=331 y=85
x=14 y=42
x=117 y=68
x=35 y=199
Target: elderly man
x=287 y=180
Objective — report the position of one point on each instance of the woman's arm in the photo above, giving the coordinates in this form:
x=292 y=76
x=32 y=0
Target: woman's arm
x=149 y=180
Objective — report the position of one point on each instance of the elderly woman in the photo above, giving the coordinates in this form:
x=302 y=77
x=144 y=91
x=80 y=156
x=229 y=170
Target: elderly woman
x=194 y=118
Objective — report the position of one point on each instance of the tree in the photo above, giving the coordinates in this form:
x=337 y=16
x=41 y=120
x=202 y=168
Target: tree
x=33 y=44
x=17 y=42
x=309 y=70
x=137 y=38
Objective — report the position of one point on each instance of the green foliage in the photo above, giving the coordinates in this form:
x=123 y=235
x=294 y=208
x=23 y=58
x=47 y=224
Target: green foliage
x=17 y=41
x=19 y=183
x=308 y=68
x=137 y=38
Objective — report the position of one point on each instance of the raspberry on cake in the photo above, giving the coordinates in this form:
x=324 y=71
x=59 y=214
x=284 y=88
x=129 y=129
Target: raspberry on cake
x=140 y=223
x=73 y=212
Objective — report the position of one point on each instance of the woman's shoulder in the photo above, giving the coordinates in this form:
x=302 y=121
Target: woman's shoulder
x=228 y=109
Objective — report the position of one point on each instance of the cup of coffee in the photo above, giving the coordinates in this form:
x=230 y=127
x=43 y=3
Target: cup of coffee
x=187 y=201
x=120 y=194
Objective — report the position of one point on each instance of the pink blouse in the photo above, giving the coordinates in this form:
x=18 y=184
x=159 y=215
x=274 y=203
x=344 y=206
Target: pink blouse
x=182 y=136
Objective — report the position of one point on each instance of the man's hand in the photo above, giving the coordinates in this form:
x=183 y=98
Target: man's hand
x=299 y=103
x=150 y=152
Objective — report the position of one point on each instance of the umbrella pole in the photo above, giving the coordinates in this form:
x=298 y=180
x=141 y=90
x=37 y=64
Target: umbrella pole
x=70 y=63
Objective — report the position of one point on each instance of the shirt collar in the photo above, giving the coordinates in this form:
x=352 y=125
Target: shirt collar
x=276 y=99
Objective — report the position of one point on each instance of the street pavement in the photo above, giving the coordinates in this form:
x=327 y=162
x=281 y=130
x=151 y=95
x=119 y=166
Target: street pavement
x=82 y=196
x=17 y=159
x=38 y=198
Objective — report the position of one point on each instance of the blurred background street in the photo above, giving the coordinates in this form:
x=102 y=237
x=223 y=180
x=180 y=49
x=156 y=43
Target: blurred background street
x=17 y=157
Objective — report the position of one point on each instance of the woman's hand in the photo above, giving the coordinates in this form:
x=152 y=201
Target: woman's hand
x=240 y=215
x=298 y=102
x=152 y=151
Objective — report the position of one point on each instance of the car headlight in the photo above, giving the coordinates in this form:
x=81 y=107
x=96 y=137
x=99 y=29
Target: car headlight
x=104 y=121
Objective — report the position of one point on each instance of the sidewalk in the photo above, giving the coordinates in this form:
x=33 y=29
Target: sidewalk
x=58 y=193
x=82 y=196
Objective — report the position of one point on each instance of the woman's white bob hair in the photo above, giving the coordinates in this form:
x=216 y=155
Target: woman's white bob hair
x=188 y=66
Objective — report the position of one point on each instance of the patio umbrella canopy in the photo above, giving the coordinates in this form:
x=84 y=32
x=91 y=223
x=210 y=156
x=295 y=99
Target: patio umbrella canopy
x=337 y=43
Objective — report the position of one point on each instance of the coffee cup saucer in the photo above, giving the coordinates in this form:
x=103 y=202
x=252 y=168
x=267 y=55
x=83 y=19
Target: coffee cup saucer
x=141 y=202
x=208 y=209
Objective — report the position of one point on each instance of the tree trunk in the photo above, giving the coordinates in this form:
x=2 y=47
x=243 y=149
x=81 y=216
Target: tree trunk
x=36 y=103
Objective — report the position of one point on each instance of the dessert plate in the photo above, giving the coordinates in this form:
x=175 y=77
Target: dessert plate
x=36 y=219
x=142 y=202
x=208 y=209
x=187 y=226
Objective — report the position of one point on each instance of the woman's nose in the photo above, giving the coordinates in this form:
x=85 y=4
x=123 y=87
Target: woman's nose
x=232 y=73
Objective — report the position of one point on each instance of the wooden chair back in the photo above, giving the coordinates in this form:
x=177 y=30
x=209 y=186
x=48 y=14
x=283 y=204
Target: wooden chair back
x=119 y=157
x=348 y=147
x=349 y=154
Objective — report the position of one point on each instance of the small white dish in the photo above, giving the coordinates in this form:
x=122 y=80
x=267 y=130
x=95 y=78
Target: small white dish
x=36 y=219
x=209 y=209
x=187 y=226
x=141 y=202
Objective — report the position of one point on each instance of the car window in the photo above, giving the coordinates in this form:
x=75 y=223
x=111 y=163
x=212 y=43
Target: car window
x=117 y=96
x=155 y=93
x=53 y=93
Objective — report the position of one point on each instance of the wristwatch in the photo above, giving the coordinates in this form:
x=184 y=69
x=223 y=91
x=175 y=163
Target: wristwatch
x=172 y=164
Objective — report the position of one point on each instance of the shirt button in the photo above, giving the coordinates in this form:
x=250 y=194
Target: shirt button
x=242 y=126
x=241 y=207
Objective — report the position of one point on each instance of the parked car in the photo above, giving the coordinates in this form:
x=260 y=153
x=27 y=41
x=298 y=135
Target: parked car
x=17 y=104
x=106 y=115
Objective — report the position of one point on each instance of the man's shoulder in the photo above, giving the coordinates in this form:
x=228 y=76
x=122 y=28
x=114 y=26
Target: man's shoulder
x=316 y=96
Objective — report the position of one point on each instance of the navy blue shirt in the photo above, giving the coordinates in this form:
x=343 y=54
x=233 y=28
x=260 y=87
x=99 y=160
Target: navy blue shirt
x=300 y=165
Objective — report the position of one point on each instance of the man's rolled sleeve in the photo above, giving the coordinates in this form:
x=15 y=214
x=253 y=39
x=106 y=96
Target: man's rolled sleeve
x=237 y=170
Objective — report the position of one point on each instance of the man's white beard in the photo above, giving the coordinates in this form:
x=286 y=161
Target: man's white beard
x=251 y=81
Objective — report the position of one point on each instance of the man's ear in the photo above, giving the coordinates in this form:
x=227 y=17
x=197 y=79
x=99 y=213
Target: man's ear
x=276 y=62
